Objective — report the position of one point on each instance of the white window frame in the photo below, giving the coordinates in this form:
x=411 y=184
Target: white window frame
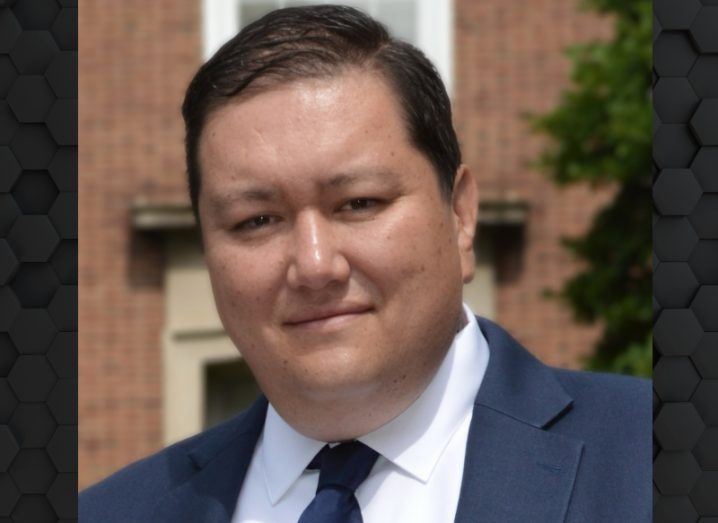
x=434 y=29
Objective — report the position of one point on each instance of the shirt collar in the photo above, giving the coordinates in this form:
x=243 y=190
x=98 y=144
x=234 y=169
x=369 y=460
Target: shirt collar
x=285 y=454
x=413 y=441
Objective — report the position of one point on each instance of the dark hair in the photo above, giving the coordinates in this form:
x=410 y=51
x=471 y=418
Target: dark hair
x=314 y=41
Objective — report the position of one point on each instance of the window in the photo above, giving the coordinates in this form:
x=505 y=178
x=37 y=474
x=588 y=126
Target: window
x=425 y=23
x=229 y=388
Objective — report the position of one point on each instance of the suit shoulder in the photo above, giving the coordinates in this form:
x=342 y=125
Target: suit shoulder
x=609 y=398
x=131 y=493
x=133 y=490
x=603 y=386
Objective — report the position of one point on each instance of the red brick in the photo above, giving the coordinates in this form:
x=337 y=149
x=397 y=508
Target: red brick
x=136 y=59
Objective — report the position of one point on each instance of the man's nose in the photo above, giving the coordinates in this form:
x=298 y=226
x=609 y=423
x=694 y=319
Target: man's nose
x=316 y=259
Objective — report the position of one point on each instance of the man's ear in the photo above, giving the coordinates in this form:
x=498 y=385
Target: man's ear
x=465 y=206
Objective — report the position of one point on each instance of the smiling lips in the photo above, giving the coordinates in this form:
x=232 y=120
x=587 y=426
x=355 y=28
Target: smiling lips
x=313 y=318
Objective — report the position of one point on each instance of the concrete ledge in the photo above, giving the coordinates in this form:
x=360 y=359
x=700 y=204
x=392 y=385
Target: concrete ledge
x=162 y=217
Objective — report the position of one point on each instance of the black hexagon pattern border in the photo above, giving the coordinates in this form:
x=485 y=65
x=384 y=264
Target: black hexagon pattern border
x=685 y=247
x=38 y=260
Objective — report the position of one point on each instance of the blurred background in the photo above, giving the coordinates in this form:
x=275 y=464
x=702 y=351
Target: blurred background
x=154 y=363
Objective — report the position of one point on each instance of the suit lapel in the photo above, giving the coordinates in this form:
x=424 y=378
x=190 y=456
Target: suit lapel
x=515 y=469
x=221 y=462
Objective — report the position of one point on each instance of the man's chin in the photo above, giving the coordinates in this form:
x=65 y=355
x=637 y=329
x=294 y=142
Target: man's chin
x=335 y=384
x=336 y=410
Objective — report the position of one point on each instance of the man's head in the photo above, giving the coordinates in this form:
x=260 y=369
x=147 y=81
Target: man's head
x=322 y=41
x=336 y=259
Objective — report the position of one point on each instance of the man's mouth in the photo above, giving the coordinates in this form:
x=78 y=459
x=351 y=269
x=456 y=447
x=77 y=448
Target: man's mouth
x=321 y=317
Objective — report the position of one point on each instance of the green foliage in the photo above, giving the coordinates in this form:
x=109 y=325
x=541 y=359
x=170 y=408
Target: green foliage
x=601 y=135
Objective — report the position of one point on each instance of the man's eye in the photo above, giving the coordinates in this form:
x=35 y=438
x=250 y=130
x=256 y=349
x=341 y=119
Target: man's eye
x=359 y=204
x=256 y=222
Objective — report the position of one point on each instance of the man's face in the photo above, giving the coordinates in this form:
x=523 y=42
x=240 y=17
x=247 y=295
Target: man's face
x=336 y=264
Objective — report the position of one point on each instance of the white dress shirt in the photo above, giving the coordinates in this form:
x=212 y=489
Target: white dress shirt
x=417 y=477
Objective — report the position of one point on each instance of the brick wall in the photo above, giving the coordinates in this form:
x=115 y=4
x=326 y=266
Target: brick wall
x=135 y=61
x=509 y=62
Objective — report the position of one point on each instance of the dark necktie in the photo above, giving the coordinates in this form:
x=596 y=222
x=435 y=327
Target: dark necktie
x=341 y=470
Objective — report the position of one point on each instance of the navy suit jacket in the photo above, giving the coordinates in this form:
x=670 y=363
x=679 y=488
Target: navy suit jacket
x=544 y=445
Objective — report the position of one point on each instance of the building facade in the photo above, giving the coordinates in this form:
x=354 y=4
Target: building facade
x=155 y=365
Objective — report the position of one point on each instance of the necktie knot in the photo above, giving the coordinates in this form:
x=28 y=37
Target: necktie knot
x=341 y=470
x=346 y=465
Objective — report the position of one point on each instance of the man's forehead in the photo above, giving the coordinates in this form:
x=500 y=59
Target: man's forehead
x=358 y=89
x=303 y=119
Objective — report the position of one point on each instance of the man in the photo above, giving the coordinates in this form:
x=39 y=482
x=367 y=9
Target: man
x=338 y=223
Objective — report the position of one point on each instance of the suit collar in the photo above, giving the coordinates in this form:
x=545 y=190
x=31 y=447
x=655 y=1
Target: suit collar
x=517 y=384
x=516 y=468
x=247 y=425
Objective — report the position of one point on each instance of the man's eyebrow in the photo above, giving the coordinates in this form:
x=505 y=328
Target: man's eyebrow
x=348 y=178
x=249 y=194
